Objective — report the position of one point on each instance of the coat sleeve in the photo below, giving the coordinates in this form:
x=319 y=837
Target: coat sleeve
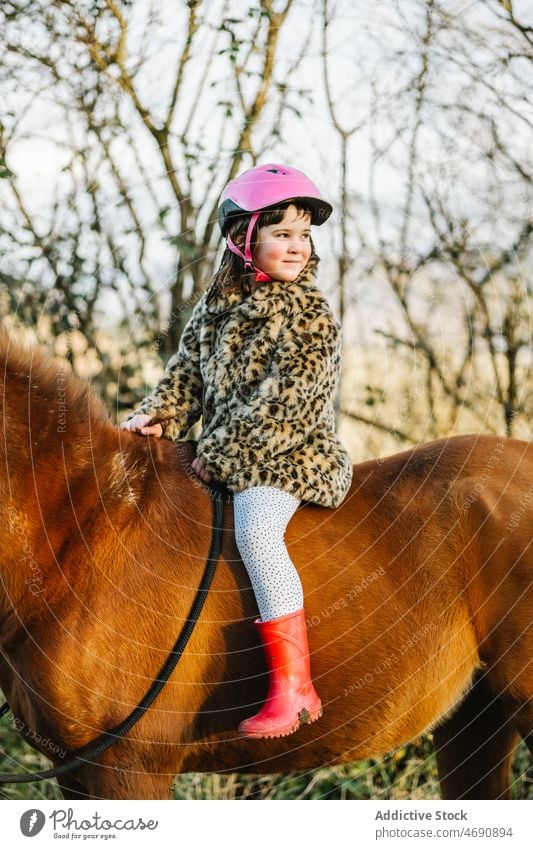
x=282 y=411
x=179 y=392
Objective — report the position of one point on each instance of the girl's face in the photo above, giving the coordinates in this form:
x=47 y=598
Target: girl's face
x=283 y=249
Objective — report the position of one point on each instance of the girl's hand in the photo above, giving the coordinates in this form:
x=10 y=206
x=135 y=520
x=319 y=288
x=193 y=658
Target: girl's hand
x=138 y=424
x=200 y=471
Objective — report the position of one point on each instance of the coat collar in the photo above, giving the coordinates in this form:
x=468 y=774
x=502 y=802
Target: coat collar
x=266 y=300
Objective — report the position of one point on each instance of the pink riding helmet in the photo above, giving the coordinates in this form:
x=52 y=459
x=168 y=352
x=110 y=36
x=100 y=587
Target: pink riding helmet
x=260 y=188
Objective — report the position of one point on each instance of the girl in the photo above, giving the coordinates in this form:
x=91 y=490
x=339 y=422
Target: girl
x=259 y=361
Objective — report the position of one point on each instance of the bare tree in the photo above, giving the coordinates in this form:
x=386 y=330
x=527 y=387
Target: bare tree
x=144 y=116
x=144 y=164
x=456 y=250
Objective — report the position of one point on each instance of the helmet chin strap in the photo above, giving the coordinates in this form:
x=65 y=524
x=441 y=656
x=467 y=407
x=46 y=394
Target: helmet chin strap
x=260 y=276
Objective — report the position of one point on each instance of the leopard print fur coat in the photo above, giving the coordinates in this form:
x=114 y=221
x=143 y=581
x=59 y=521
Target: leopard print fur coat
x=262 y=371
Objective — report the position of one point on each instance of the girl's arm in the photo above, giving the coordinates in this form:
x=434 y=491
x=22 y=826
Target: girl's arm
x=177 y=398
x=286 y=406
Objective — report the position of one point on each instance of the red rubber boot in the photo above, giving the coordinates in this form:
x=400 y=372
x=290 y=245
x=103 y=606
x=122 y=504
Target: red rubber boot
x=291 y=700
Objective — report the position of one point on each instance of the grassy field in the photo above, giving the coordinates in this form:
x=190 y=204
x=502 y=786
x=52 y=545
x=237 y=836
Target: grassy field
x=410 y=773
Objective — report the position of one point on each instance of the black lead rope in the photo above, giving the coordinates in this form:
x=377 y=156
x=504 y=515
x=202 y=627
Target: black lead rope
x=92 y=750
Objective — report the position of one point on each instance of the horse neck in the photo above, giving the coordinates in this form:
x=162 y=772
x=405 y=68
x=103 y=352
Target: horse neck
x=43 y=468
x=69 y=505
x=69 y=480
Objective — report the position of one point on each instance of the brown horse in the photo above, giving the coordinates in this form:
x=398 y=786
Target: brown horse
x=418 y=599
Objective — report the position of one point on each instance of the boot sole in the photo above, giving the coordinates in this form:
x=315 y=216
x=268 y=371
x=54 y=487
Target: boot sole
x=304 y=718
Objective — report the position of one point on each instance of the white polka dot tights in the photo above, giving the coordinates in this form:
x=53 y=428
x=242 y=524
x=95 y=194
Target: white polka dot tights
x=262 y=514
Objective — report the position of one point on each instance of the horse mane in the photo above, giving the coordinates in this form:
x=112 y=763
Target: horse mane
x=43 y=386
x=102 y=463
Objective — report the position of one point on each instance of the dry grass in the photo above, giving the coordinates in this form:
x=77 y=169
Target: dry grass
x=409 y=773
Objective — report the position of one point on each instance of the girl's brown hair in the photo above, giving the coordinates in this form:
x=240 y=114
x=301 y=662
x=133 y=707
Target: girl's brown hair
x=231 y=275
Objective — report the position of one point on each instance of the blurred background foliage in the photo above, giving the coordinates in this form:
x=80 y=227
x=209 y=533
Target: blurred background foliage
x=121 y=123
